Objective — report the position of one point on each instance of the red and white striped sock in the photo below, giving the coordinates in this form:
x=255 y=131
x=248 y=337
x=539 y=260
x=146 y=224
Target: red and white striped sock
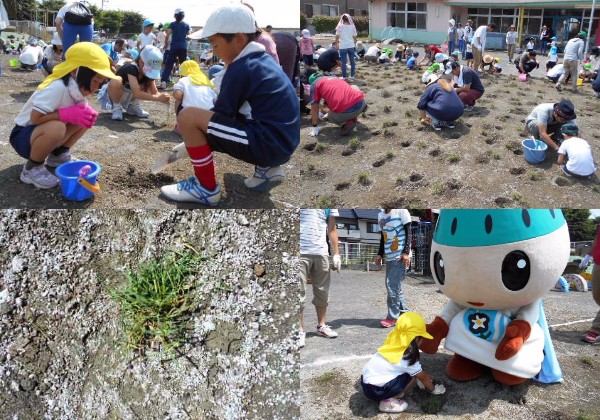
x=204 y=167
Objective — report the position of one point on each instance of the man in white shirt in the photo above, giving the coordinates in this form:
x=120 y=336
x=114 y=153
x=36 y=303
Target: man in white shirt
x=572 y=55
x=32 y=55
x=479 y=38
x=315 y=226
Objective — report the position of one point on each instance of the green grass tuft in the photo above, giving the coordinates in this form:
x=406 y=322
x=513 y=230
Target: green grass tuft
x=157 y=301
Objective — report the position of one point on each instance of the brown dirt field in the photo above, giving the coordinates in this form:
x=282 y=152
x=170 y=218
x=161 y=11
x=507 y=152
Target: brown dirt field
x=392 y=158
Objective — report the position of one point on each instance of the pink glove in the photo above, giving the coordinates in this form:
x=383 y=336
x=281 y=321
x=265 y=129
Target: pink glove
x=81 y=115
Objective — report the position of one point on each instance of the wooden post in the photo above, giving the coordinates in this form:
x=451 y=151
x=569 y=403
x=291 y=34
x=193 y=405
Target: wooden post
x=521 y=19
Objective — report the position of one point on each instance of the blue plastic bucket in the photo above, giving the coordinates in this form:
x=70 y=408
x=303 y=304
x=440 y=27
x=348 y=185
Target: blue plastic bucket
x=534 y=151
x=74 y=188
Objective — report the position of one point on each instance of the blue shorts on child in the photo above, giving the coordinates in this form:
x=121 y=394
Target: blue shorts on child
x=389 y=390
x=20 y=139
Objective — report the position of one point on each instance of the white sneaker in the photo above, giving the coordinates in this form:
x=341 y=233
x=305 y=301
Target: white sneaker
x=117 y=113
x=392 y=405
x=192 y=191
x=326 y=331
x=39 y=176
x=135 y=108
x=265 y=178
x=53 y=161
x=163 y=85
x=301 y=339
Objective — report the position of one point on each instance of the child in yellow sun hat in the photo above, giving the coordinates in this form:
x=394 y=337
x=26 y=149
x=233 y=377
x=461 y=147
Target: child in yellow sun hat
x=395 y=368
x=57 y=115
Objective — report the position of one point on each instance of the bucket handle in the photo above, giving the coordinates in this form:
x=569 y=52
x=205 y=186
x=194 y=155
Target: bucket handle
x=95 y=188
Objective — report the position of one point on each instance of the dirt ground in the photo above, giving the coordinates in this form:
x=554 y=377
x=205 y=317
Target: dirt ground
x=62 y=339
x=125 y=151
x=391 y=158
x=330 y=369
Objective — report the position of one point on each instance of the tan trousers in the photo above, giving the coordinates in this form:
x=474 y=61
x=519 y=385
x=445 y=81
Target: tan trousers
x=570 y=67
x=476 y=58
x=315 y=267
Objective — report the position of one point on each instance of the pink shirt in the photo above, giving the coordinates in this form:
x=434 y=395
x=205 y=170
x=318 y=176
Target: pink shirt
x=307 y=46
x=270 y=46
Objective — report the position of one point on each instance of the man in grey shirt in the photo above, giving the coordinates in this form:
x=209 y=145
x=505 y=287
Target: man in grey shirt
x=573 y=54
x=546 y=119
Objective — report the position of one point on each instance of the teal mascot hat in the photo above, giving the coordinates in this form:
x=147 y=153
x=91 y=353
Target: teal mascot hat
x=495 y=265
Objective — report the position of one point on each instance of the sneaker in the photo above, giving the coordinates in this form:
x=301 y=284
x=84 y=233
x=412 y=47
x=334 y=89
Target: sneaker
x=348 y=126
x=326 y=331
x=449 y=124
x=264 y=178
x=53 y=161
x=392 y=405
x=387 y=323
x=135 y=108
x=468 y=108
x=437 y=126
x=39 y=176
x=301 y=339
x=192 y=191
x=559 y=88
x=117 y=113
x=591 y=337
x=163 y=85
x=350 y=79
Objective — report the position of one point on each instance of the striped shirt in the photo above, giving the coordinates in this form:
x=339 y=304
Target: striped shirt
x=392 y=228
x=313 y=230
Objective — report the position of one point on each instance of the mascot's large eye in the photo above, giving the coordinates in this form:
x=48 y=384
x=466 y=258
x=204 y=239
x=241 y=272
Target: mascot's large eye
x=438 y=266
x=515 y=270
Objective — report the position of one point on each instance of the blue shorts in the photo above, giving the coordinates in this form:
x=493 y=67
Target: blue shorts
x=389 y=390
x=228 y=135
x=20 y=140
x=469 y=56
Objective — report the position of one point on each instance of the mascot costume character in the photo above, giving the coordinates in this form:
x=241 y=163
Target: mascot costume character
x=495 y=265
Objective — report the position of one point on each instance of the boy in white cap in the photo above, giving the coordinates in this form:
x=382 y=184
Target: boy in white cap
x=138 y=81
x=256 y=117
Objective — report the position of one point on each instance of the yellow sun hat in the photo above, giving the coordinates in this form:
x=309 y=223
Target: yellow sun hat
x=408 y=326
x=82 y=54
x=192 y=70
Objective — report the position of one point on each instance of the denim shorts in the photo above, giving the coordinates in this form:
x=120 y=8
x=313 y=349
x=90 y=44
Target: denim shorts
x=20 y=139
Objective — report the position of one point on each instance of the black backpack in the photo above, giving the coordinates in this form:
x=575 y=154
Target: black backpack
x=78 y=14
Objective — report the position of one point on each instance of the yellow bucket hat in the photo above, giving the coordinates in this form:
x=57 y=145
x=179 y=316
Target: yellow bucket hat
x=408 y=326
x=82 y=54
x=191 y=69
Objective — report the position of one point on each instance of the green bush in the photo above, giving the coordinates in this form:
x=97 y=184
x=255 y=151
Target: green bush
x=302 y=21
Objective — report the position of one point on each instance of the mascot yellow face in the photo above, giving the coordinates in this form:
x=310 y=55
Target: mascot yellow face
x=498 y=258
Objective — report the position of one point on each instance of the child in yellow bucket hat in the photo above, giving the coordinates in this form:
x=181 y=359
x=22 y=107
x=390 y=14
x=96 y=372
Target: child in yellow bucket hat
x=57 y=114
x=395 y=368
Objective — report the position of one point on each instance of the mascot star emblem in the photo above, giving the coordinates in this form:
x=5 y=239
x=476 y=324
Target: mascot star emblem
x=478 y=322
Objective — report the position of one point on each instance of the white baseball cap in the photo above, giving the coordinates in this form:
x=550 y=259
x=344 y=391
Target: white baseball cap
x=178 y=11
x=231 y=19
x=152 y=58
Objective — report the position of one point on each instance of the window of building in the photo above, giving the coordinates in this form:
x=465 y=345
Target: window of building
x=347 y=226
x=357 y=12
x=309 y=10
x=330 y=10
x=373 y=228
x=409 y=15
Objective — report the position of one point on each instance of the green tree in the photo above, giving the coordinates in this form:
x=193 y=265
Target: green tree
x=110 y=20
x=581 y=227
x=20 y=9
x=53 y=5
x=132 y=23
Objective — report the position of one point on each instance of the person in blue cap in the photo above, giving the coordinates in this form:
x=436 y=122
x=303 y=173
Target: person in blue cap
x=147 y=37
x=495 y=265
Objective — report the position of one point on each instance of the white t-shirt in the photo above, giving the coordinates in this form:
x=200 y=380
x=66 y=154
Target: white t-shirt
x=197 y=96
x=32 y=55
x=146 y=39
x=160 y=39
x=378 y=371
x=556 y=71
x=392 y=225
x=52 y=97
x=373 y=51
x=579 y=152
x=480 y=33
x=63 y=10
x=511 y=37
x=346 y=34
x=313 y=230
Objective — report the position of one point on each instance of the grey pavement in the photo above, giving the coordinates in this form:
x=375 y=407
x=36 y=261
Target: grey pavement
x=358 y=302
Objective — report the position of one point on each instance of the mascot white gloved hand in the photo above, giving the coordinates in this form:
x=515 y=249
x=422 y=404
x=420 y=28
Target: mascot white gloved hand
x=495 y=265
